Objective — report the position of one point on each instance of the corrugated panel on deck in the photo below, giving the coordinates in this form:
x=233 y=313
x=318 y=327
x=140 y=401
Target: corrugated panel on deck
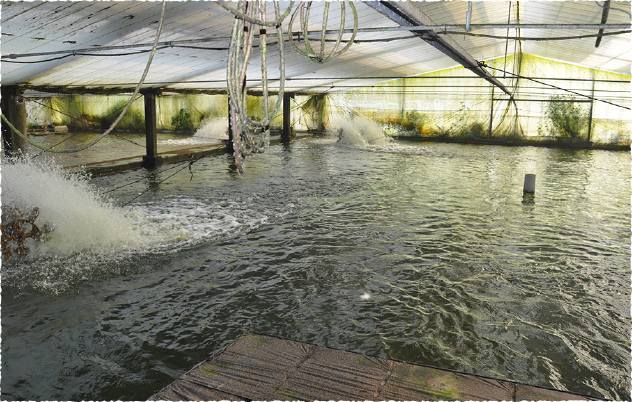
x=261 y=367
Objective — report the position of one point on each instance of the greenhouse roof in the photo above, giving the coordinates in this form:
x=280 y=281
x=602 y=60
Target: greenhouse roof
x=101 y=46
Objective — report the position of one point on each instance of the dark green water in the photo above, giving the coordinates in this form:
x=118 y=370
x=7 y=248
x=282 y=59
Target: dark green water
x=462 y=272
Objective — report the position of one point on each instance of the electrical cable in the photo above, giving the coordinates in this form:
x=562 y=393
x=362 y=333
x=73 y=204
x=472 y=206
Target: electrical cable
x=58 y=111
x=143 y=178
x=615 y=9
x=189 y=164
x=304 y=10
x=556 y=87
x=9 y=58
x=82 y=121
x=132 y=98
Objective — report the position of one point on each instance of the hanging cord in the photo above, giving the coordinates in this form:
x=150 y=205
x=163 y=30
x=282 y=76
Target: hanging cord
x=188 y=165
x=132 y=98
x=556 y=87
x=239 y=13
x=82 y=121
x=507 y=41
x=304 y=9
x=251 y=136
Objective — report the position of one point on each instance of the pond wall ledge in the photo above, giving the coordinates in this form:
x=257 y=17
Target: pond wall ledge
x=103 y=168
x=515 y=142
x=263 y=367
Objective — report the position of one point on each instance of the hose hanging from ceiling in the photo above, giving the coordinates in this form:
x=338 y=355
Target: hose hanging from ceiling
x=115 y=123
x=251 y=136
x=320 y=57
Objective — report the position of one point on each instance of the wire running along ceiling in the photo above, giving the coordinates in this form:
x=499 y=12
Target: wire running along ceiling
x=38 y=27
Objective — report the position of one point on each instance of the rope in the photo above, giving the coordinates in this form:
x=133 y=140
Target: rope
x=132 y=98
x=245 y=17
x=251 y=136
x=556 y=87
x=304 y=9
x=9 y=59
x=189 y=164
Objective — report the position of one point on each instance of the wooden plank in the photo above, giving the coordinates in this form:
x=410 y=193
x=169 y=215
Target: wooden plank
x=331 y=374
x=411 y=382
x=261 y=367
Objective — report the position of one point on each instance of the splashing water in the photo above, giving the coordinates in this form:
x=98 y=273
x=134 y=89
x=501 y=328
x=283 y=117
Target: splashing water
x=79 y=219
x=358 y=131
x=88 y=236
x=211 y=131
x=84 y=228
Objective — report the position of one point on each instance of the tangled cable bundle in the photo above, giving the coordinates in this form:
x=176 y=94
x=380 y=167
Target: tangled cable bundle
x=251 y=136
x=320 y=57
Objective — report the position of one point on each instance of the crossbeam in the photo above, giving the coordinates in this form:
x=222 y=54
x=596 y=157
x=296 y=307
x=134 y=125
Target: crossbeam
x=406 y=14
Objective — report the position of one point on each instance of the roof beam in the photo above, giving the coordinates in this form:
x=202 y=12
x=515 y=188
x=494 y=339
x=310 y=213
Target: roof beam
x=406 y=14
x=604 y=19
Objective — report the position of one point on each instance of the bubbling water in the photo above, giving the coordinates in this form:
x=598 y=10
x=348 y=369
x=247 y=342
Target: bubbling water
x=358 y=131
x=77 y=218
x=211 y=131
x=82 y=229
x=88 y=236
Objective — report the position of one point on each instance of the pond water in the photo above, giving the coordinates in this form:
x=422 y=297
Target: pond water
x=426 y=253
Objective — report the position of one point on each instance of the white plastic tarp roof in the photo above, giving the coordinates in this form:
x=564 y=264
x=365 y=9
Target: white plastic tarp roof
x=40 y=26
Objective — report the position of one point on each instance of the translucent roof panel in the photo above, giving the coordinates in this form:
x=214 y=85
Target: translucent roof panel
x=59 y=28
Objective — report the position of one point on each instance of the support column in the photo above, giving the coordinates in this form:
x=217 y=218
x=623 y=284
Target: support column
x=402 y=101
x=592 y=102
x=14 y=109
x=491 y=113
x=229 y=146
x=287 y=117
x=151 y=159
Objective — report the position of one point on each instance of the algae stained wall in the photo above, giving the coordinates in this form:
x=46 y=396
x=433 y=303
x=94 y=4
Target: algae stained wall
x=457 y=103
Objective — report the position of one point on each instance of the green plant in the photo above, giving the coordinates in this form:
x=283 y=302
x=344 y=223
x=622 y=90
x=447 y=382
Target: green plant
x=459 y=126
x=567 y=118
x=182 y=121
x=477 y=130
x=415 y=121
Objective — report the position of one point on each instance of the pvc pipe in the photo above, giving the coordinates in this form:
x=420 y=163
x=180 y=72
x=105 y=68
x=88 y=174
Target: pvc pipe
x=529 y=183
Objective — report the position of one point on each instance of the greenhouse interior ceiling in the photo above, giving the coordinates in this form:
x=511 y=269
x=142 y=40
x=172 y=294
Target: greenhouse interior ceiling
x=498 y=62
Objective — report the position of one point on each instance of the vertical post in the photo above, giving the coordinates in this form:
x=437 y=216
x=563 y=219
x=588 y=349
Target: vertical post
x=529 y=184
x=287 y=117
x=151 y=159
x=402 y=100
x=229 y=145
x=491 y=113
x=592 y=102
x=14 y=109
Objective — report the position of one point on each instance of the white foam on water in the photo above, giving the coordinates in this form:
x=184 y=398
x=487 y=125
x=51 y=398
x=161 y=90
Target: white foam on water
x=79 y=219
x=90 y=236
x=193 y=221
x=363 y=133
x=211 y=131
x=358 y=131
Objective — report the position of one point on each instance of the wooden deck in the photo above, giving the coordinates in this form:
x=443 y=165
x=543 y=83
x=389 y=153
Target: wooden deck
x=261 y=367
